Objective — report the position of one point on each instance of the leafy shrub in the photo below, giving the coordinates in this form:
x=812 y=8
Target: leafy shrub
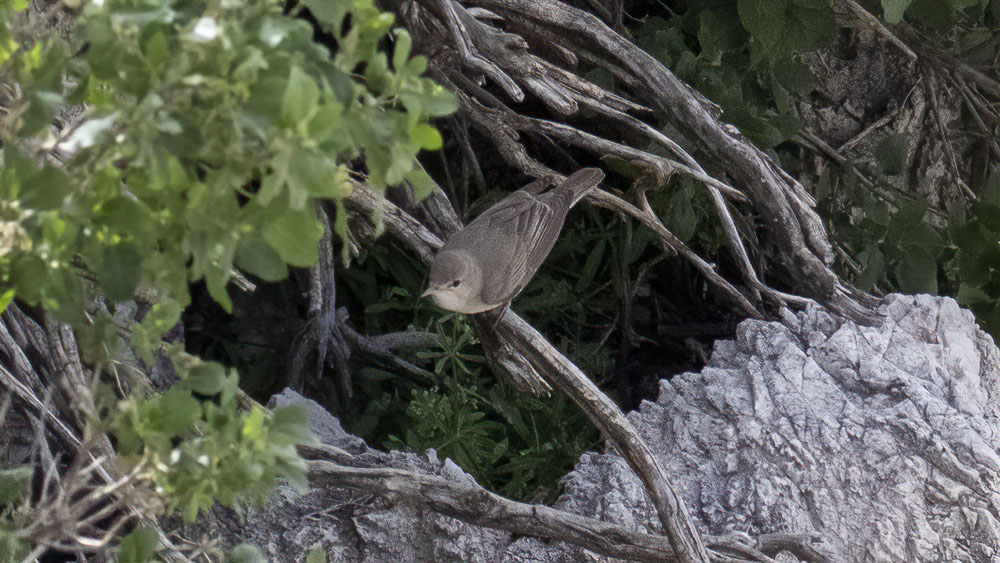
x=210 y=132
x=201 y=451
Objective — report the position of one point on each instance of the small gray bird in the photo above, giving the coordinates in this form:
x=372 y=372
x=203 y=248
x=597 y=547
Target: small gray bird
x=487 y=263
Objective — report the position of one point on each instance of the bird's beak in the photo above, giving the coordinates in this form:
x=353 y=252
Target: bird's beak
x=428 y=293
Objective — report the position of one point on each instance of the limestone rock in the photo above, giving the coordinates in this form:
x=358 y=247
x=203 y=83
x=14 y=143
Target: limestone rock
x=881 y=440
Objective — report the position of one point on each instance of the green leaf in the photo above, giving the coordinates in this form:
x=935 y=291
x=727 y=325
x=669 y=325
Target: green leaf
x=872 y=267
x=681 y=217
x=13 y=546
x=917 y=272
x=973 y=267
x=125 y=215
x=427 y=137
x=295 y=235
x=330 y=14
x=45 y=189
x=720 y=32
x=316 y=554
x=423 y=185
x=255 y=256
x=795 y=76
x=893 y=10
x=6 y=299
x=63 y=294
x=440 y=102
x=207 y=378
x=402 y=51
x=293 y=422
x=908 y=233
x=253 y=425
x=267 y=98
x=935 y=15
x=14 y=484
x=216 y=282
x=293 y=32
x=892 y=153
x=969 y=294
x=377 y=75
x=119 y=271
x=175 y=411
x=42 y=108
x=328 y=124
x=300 y=98
x=759 y=130
x=988 y=216
x=246 y=553
x=783 y=27
x=28 y=274
x=139 y=546
x=417 y=65
x=590 y=267
x=316 y=175
x=157 y=50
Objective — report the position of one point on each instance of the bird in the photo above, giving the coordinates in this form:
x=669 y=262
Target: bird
x=488 y=262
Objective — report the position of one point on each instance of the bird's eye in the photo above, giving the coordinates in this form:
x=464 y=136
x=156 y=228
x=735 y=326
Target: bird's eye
x=456 y=283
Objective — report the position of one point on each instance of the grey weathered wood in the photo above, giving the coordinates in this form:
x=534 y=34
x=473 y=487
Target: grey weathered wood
x=521 y=345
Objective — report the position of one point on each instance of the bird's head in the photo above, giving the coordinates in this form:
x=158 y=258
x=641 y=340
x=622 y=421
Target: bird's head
x=455 y=283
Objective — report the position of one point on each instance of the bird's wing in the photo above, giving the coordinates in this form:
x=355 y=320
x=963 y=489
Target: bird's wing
x=518 y=230
x=514 y=236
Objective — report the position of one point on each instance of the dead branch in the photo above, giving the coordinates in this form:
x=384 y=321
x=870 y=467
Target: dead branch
x=538 y=40
x=471 y=503
x=515 y=344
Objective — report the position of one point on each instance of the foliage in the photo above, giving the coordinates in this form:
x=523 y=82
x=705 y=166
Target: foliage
x=513 y=443
x=13 y=545
x=224 y=124
x=13 y=488
x=935 y=15
x=138 y=546
x=197 y=452
x=975 y=266
x=316 y=554
x=246 y=553
x=746 y=57
x=451 y=424
x=211 y=131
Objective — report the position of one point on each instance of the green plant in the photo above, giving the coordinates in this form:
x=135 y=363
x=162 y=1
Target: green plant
x=198 y=451
x=515 y=443
x=14 y=546
x=975 y=266
x=451 y=424
x=455 y=357
x=222 y=123
x=210 y=132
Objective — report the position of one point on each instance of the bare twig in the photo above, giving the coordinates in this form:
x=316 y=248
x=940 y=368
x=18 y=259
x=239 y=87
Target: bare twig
x=783 y=202
x=471 y=503
x=522 y=344
x=872 y=22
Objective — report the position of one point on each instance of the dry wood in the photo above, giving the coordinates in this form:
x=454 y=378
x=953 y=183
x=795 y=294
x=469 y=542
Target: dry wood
x=475 y=505
x=541 y=38
x=518 y=344
x=471 y=503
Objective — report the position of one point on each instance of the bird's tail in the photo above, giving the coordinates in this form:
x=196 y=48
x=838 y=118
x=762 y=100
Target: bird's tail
x=577 y=184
